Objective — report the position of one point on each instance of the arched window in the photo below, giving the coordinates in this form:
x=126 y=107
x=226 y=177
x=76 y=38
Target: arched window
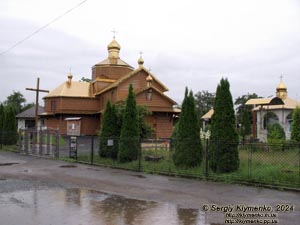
x=269 y=119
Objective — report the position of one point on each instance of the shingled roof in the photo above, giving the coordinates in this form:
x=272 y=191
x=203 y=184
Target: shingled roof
x=30 y=113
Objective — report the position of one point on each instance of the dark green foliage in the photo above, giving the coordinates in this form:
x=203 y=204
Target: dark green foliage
x=245 y=125
x=276 y=134
x=84 y=79
x=145 y=129
x=1 y=116
x=16 y=100
x=223 y=152
x=109 y=134
x=188 y=148
x=1 y=123
x=241 y=107
x=204 y=101
x=9 y=127
x=174 y=137
x=295 y=136
x=129 y=138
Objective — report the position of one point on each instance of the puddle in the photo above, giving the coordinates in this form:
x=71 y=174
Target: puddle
x=139 y=176
x=8 y=164
x=68 y=166
x=81 y=207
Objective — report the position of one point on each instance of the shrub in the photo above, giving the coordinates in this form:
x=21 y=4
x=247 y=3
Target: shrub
x=129 y=138
x=110 y=132
x=188 y=148
x=223 y=152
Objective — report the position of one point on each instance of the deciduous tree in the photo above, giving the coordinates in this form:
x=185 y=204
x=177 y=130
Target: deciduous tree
x=204 y=101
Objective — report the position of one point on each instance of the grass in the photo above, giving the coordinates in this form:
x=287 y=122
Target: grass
x=267 y=167
x=272 y=167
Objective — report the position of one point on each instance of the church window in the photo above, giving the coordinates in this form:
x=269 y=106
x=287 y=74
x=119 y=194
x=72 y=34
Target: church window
x=53 y=105
x=149 y=95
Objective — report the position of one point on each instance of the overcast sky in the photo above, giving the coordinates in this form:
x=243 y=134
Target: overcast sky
x=191 y=43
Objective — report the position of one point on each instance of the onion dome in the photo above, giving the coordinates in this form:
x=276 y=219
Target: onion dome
x=141 y=61
x=113 y=49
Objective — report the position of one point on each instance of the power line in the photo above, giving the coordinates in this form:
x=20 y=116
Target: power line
x=43 y=27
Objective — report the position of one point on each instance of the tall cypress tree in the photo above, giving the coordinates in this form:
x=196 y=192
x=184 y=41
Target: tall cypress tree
x=245 y=124
x=109 y=133
x=1 y=116
x=224 y=138
x=1 y=122
x=9 y=126
x=295 y=135
x=188 y=148
x=129 y=138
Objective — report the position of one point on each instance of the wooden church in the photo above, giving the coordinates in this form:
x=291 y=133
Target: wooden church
x=76 y=108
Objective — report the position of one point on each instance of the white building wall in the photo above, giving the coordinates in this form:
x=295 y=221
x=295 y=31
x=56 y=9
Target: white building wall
x=282 y=115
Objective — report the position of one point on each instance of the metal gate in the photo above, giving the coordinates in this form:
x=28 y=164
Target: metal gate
x=41 y=142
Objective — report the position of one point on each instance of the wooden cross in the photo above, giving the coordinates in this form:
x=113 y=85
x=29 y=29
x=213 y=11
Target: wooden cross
x=37 y=91
x=114 y=32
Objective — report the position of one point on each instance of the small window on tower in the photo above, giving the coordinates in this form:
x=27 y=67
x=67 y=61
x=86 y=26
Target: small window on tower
x=149 y=95
x=53 y=105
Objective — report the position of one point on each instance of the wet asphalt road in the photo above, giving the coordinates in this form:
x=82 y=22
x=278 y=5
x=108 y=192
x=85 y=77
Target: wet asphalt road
x=22 y=175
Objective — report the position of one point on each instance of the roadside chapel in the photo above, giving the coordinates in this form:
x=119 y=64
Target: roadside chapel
x=80 y=105
x=268 y=111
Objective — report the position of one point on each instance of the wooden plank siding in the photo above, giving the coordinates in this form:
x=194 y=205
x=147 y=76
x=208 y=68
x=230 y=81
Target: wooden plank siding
x=89 y=126
x=109 y=71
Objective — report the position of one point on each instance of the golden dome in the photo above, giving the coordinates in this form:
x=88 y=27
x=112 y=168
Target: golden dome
x=113 y=45
x=70 y=76
x=281 y=90
x=141 y=61
x=281 y=85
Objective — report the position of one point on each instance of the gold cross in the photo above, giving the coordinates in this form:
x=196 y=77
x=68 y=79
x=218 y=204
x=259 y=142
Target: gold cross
x=114 y=32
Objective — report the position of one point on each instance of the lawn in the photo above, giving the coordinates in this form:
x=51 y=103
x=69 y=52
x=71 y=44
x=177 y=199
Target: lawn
x=256 y=166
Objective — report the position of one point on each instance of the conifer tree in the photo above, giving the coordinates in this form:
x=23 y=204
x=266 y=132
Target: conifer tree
x=276 y=134
x=224 y=139
x=295 y=135
x=1 y=123
x=9 y=126
x=109 y=133
x=1 y=116
x=245 y=125
x=188 y=148
x=129 y=138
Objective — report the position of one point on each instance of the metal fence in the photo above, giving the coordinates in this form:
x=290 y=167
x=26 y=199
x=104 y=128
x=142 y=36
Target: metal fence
x=259 y=163
x=42 y=142
x=268 y=164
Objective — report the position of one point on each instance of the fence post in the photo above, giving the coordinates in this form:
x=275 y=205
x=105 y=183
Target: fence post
x=140 y=156
x=250 y=161
x=48 y=141
x=92 y=150
x=206 y=157
x=40 y=142
x=56 y=153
